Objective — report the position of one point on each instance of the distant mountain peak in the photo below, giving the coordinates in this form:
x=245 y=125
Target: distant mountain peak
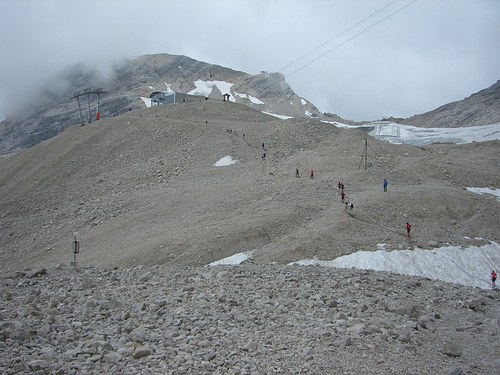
x=481 y=108
x=134 y=80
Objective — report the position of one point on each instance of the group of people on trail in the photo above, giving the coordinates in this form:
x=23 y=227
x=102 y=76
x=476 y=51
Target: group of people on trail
x=297 y=173
x=343 y=197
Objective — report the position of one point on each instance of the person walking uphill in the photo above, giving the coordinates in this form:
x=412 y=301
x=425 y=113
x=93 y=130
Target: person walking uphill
x=385 y=184
x=408 y=228
x=493 y=278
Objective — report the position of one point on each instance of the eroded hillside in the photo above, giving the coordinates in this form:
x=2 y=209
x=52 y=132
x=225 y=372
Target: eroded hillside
x=142 y=188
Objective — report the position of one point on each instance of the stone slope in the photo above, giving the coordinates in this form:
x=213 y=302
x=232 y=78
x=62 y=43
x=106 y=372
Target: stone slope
x=142 y=189
x=248 y=319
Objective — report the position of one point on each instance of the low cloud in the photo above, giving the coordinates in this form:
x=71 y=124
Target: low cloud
x=424 y=55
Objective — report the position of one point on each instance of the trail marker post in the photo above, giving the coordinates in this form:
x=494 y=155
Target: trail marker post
x=76 y=250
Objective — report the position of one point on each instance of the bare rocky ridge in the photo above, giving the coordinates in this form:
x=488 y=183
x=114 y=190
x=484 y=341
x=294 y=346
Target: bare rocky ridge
x=48 y=113
x=481 y=108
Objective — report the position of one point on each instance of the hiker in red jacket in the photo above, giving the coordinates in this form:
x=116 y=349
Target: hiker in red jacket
x=408 y=228
x=493 y=278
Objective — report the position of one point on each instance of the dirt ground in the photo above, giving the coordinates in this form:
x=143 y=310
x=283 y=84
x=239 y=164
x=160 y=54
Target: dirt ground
x=143 y=189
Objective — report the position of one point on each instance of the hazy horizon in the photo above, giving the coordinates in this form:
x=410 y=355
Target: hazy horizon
x=362 y=60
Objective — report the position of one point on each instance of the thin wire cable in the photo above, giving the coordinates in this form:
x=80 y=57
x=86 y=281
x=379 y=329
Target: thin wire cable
x=338 y=35
x=265 y=90
x=353 y=37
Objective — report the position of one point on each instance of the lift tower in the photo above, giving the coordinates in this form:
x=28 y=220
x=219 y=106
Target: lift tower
x=90 y=94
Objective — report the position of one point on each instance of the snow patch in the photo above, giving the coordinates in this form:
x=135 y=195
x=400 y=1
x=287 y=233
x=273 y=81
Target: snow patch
x=233 y=259
x=303 y=101
x=249 y=97
x=466 y=266
x=282 y=117
x=205 y=88
x=169 y=88
x=225 y=161
x=493 y=191
x=146 y=101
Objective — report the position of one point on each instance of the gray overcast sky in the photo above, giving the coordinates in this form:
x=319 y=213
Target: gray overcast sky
x=426 y=54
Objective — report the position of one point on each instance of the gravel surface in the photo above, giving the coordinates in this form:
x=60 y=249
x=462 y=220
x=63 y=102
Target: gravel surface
x=247 y=319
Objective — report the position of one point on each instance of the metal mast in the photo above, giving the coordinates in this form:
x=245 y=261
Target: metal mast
x=89 y=93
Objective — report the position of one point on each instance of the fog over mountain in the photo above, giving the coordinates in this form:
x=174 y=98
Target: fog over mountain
x=130 y=84
x=363 y=60
x=56 y=108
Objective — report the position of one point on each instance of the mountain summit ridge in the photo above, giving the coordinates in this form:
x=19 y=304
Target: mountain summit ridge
x=54 y=109
x=138 y=77
x=480 y=108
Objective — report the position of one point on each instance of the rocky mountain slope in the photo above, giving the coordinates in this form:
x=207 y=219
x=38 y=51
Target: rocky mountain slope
x=142 y=195
x=481 y=108
x=47 y=113
x=142 y=188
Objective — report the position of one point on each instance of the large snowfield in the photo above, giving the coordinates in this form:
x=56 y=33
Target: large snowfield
x=416 y=136
x=470 y=266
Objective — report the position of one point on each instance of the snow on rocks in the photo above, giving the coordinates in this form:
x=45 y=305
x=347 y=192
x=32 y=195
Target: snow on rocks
x=245 y=319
